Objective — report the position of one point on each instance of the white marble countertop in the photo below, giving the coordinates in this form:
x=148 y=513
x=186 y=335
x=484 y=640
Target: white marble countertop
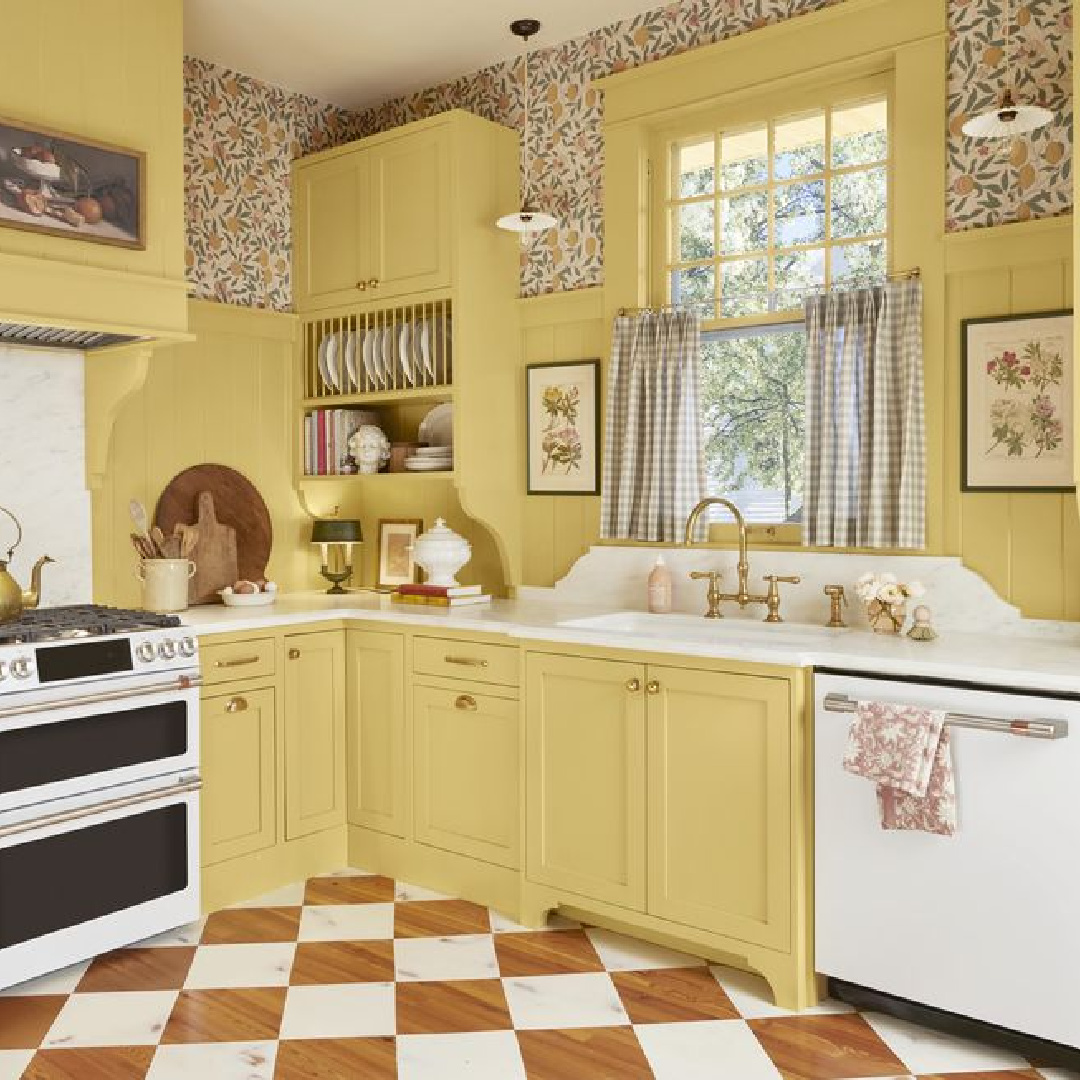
x=1014 y=660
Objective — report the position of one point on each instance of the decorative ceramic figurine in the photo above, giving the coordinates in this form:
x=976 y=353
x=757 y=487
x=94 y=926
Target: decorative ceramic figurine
x=370 y=448
x=922 y=630
x=441 y=553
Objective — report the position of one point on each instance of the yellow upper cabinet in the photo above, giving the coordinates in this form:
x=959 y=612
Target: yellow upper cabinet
x=372 y=220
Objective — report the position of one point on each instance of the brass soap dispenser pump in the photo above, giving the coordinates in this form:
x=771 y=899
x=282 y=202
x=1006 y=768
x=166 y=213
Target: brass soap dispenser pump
x=13 y=600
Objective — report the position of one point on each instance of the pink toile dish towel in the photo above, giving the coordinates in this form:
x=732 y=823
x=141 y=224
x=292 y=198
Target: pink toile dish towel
x=907 y=753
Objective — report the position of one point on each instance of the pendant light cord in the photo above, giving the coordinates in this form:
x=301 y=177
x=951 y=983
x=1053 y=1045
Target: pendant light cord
x=525 y=135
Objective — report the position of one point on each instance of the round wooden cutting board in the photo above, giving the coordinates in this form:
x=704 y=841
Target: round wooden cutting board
x=237 y=502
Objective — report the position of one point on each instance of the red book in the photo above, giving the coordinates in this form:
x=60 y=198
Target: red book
x=320 y=465
x=439 y=590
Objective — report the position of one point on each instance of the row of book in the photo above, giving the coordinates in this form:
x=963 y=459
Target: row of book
x=326 y=440
x=442 y=596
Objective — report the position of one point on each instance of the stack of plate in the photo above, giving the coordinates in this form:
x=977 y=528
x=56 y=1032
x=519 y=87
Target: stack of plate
x=431 y=459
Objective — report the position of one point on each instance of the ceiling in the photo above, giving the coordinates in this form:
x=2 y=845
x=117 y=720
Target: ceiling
x=358 y=53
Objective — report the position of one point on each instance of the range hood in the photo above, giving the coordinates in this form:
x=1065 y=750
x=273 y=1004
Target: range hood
x=51 y=337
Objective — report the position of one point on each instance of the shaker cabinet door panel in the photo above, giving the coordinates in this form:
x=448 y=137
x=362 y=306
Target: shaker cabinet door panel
x=585 y=722
x=314 y=732
x=720 y=803
x=376 y=731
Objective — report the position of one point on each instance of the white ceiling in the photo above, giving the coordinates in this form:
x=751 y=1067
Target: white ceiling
x=358 y=53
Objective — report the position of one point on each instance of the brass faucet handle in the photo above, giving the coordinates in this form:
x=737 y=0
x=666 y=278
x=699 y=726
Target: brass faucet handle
x=838 y=599
x=713 y=596
x=772 y=598
x=713 y=576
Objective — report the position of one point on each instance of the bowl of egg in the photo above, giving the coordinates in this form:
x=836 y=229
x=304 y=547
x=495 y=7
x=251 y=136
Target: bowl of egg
x=249 y=594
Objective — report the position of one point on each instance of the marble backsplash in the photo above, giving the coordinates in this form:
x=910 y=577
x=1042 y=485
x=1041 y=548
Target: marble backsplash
x=43 y=469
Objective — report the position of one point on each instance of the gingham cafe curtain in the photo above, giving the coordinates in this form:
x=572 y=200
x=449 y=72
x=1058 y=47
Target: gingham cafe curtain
x=654 y=468
x=865 y=441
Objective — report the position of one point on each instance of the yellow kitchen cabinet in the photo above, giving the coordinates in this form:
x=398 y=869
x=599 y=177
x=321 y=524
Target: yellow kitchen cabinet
x=719 y=797
x=238 y=768
x=314 y=687
x=375 y=739
x=466 y=772
x=585 y=777
x=372 y=219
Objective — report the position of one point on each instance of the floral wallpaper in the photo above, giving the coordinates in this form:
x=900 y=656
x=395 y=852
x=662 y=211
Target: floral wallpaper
x=242 y=135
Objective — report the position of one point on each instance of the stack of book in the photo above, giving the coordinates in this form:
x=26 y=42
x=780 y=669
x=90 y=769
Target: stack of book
x=441 y=595
x=326 y=439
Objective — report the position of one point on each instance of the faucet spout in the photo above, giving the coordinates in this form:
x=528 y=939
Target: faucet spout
x=740 y=521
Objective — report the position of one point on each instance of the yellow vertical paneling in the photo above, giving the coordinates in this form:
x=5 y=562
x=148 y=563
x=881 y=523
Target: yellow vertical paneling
x=987 y=538
x=1037 y=568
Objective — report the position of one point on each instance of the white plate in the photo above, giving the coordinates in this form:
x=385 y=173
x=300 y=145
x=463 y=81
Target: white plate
x=371 y=367
x=404 y=353
x=350 y=360
x=324 y=371
x=437 y=428
x=422 y=465
x=333 y=347
x=388 y=356
x=424 y=328
x=432 y=451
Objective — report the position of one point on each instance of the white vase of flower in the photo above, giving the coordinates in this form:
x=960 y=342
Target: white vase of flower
x=886 y=600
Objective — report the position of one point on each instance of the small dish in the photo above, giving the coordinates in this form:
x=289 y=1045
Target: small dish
x=257 y=599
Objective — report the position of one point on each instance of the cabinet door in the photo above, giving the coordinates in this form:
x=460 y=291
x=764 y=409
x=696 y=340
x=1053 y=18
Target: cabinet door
x=585 y=723
x=238 y=771
x=314 y=732
x=466 y=773
x=331 y=231
x=376 y=730
x=410 y=215
x=720 y=803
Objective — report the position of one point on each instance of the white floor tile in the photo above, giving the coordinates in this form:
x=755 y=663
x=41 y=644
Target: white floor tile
x=287 y=896
x=121 y=1019
x=58 y=982
x=564 y=1001
x=347 y=922
x=353 y=1010
x=621 y=953
x=13 y=1063
x=470 y=956
x=925 y=1051
x=753 y=997
x=182 y=935
x=404 y=891
x=707 y=1050
x=500 y=924
x=217 y=967
x=214 y=1061
x=478 y=1055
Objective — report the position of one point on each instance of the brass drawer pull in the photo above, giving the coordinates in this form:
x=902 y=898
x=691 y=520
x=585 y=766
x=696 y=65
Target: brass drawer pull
x=652 y=687
x=465 y=661
x=236 y=704
x=633 y=685
x=294 y=654
x=465 y=702
x=242 y=661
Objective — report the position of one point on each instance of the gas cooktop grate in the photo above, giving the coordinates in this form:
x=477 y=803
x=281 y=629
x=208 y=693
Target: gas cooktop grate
x=79 y=621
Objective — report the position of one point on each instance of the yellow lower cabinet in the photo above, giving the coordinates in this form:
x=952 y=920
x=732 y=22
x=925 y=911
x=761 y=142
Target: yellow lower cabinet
x=466 y=776
x=585 y=777
x=376 y=730
x=719 y=793
x=314 y=732
x=238 y=768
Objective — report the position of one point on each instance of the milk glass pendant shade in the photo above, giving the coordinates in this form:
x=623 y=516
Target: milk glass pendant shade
x=528 y=219
x=1008 y=119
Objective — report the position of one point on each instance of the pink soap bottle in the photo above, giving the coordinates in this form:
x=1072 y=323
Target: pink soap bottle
x=660 y=588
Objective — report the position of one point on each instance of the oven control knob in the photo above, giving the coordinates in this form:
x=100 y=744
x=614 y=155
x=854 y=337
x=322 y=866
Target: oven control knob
x=145 y=651
x=187 y=646
x=3 y=670
x=166 y=649
x=20 y=667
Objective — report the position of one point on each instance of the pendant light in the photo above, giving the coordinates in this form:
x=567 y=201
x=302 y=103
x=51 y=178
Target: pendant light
x=528 y=219
x=1008 y=118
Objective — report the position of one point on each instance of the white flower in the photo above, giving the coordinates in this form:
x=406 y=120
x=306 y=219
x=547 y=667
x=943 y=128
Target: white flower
x=866 y=579
x=891 y=594
x=888 y=579
x=916 y=589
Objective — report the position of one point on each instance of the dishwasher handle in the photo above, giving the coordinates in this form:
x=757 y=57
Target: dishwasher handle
x=1025 y=729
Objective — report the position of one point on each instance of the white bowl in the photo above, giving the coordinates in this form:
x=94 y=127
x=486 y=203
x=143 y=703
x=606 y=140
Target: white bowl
x=256 y=599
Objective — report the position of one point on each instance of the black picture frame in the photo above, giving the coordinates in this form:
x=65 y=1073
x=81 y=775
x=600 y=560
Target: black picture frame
x=541 y=477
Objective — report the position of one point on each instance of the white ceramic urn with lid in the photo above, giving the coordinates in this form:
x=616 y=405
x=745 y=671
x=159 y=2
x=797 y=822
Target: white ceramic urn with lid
x=441 y=553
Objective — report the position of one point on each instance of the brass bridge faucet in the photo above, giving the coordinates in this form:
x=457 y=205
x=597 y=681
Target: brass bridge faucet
x=743 y=597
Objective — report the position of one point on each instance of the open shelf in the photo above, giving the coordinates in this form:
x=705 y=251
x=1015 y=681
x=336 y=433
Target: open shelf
x=387 y=397
x=433 y=474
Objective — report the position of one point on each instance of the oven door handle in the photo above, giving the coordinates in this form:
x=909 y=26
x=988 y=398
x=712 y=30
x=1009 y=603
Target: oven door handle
x=182 y=787
x=185 y=682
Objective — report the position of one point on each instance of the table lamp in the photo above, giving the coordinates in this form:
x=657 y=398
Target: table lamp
x=335 y=534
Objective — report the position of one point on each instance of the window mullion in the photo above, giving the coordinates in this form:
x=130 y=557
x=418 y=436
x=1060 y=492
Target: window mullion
x=770 y=251
x=828 y=196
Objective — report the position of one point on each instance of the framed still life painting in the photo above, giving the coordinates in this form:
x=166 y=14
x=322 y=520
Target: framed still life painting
x=1018 y=403
x=563 y=411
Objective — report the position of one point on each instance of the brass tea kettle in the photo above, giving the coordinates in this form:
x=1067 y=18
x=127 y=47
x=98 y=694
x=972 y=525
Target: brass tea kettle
x=13 y=600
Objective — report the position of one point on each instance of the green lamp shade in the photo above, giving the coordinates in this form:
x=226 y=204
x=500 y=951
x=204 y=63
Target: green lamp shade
x=336 y=531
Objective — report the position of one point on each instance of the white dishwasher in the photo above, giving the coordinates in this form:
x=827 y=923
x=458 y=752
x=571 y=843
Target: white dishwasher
x=984 y=924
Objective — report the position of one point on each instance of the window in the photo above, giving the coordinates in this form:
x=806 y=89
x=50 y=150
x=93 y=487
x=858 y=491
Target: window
x=754 y=217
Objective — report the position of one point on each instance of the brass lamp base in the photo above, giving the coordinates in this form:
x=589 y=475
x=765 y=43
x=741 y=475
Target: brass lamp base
x=336 y=577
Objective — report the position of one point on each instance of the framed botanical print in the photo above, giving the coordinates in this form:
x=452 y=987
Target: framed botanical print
x=1018 y=419
x=563 y=413
x=396 y=563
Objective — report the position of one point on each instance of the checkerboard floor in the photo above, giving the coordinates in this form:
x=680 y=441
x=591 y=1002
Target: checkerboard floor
x=356 y=976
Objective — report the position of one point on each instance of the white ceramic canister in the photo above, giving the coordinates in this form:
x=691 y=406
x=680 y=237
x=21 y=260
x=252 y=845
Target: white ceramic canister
x=442 y=553
x=165 y=583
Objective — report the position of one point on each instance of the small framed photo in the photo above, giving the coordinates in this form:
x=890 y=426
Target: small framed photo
x=65 y=185
x=563 y=412
x=396 y=563
x=1017 y=425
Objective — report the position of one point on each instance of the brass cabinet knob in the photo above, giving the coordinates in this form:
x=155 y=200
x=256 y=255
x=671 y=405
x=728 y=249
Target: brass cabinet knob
x=236 y=704
x=373 y=283
x=294 y=654
x=633 y=685
x=465 y=702
x=362 y=286
x=652 y=687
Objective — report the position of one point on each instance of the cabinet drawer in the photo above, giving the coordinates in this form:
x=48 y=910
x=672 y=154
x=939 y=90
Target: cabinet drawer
x=470 y=660
x=252 y=659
